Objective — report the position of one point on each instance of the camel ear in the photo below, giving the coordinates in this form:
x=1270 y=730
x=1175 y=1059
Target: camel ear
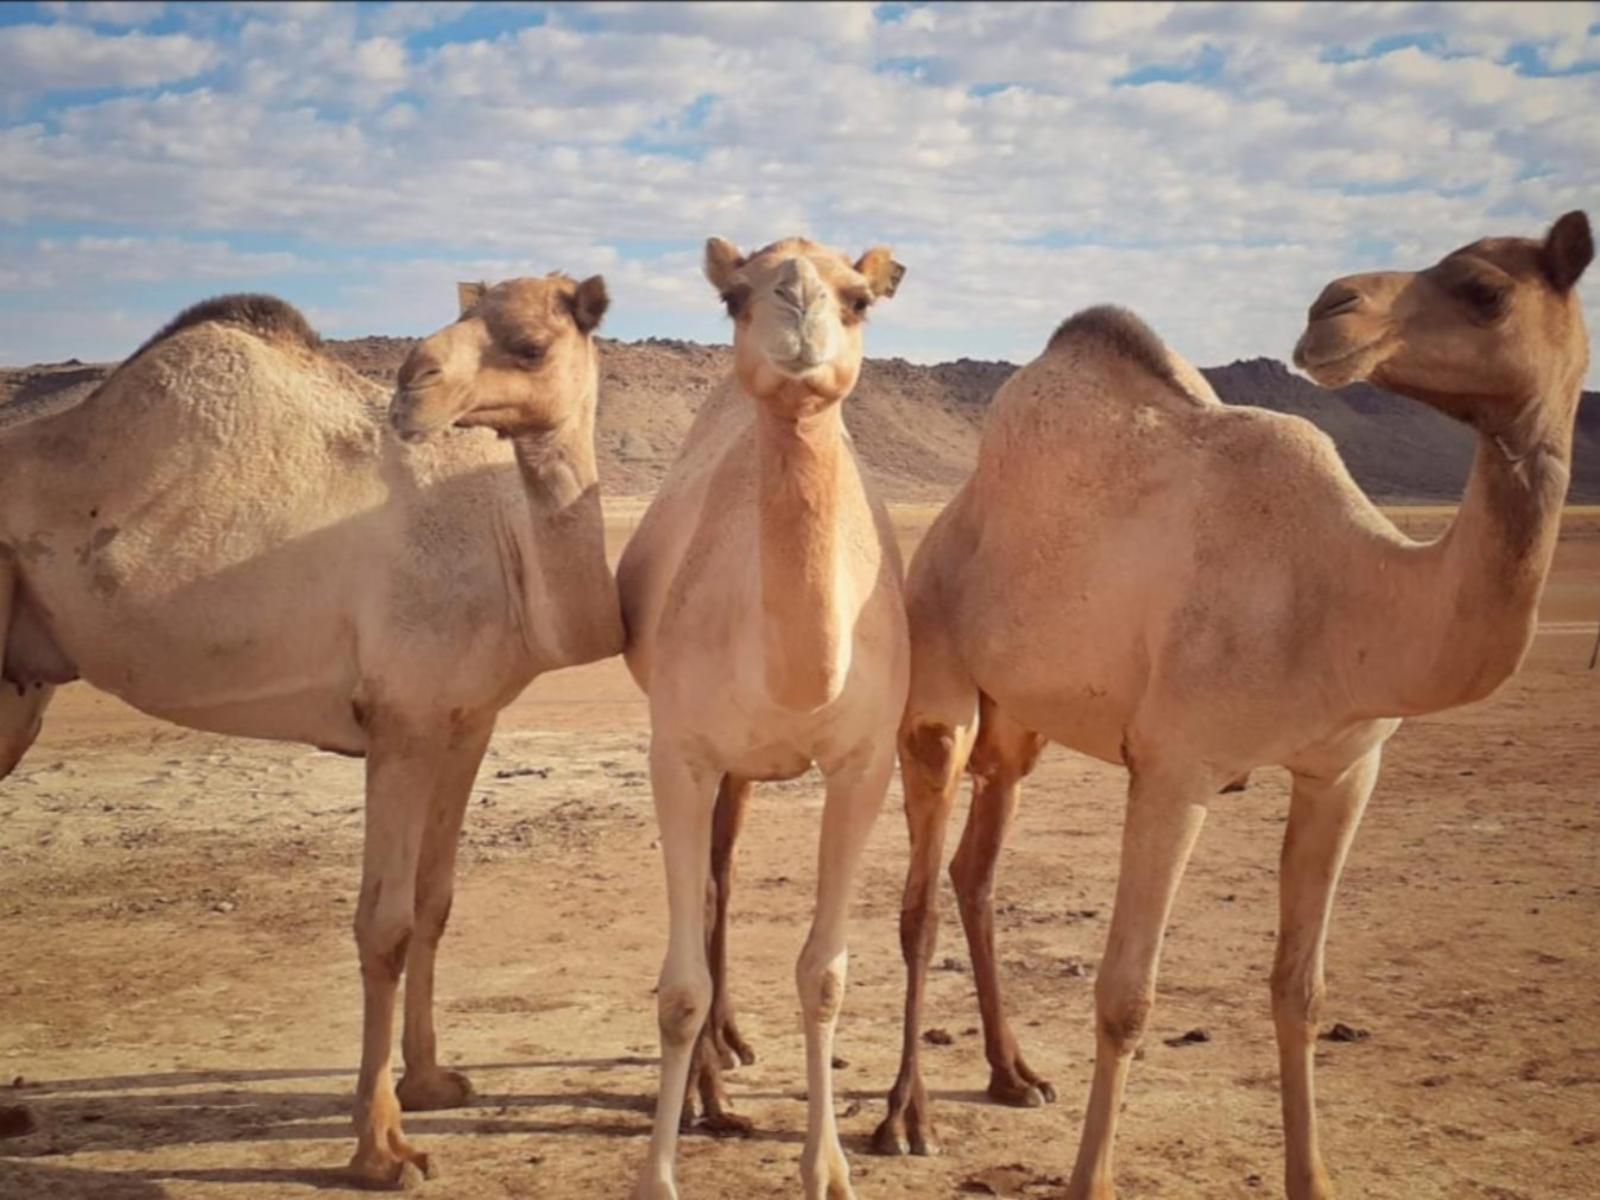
x=589 y=303
x=1568 y=249
x=723 y=260
x=882 y=272
x=468 y=295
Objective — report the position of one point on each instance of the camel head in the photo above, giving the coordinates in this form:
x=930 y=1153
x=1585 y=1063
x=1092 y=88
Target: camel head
x=1482 y=335
x=520 y=359
x=798 y=310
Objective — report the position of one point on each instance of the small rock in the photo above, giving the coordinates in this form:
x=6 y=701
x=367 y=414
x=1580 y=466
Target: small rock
x=938 y=1037
x=839 y=1064
x=952 y=964
x=852 y=1109
x=19 y=1082
x=223 y=906
x=1230 y=898
x=520 y=772
x=16 y=1121
x=1193 y=1038
x=1252 y=1180
x=1340 y=1032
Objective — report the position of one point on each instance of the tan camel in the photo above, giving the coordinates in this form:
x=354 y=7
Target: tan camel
x=1147 y=576
x=228 y=536
x=762 y=599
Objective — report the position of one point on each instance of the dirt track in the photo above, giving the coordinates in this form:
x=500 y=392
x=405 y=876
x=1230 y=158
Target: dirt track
x=180 y=996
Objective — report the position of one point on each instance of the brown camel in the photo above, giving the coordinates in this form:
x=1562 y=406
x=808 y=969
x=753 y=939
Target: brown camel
x=1144 y=575
x=228 y=535
x=765 y=622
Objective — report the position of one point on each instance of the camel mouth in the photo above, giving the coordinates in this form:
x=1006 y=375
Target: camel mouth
x=1341 y=366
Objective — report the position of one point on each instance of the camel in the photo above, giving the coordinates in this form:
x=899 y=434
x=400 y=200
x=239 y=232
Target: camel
x=1142 y=574
x=229 y=535
x=762 y=599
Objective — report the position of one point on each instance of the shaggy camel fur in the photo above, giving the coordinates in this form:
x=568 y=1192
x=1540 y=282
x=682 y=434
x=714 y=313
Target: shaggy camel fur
x=765 y=622
x=1144 y=575
x=227 y=535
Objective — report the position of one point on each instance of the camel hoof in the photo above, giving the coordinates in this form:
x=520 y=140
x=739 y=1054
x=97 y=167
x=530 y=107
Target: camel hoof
x=727 y=1125
x=1020 y=1094
x=1017 y=1086
x=430 y=1091
x=732 y=1049
x=384 y=1173
x=897 y=1137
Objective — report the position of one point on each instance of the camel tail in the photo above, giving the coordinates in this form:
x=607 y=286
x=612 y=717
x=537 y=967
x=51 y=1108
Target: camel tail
x=22 y=705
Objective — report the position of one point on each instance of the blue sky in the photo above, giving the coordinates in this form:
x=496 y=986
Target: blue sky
x=1209 y=165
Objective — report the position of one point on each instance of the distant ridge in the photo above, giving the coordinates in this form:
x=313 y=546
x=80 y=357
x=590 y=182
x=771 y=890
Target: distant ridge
x=917 y=426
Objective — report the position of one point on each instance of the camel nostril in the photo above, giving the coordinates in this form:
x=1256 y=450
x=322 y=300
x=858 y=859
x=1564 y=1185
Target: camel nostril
x=1335 y=300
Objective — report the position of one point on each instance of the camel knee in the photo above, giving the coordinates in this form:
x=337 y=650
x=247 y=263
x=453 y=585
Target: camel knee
x=1296 y=1000
x=1123 y=1019
x=973 y=881
x=383 y=939
x=821 y=984
x=927 y=755
x=433 y=914
x=681 y=1010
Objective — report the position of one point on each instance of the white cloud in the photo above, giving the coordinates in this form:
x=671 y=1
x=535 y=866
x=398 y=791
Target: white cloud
x=128 y=13
x=36 y=59
x=1271 y=148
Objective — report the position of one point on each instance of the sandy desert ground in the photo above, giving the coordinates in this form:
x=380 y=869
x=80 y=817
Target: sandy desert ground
x=179 y=1001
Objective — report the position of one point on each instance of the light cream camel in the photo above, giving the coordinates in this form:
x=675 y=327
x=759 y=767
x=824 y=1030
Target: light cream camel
x=762 y=600
x=1144 y=575
x=228 y=535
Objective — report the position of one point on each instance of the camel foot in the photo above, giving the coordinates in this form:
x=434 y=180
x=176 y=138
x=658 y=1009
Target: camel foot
x=380 y=1171
x=903 y=1133
x=1020 y=1088
x=1312 y=1186
x=829 y=1180
x=651 y=1188
x=429 y=1091
x=731 y=1048
x=725 y=1124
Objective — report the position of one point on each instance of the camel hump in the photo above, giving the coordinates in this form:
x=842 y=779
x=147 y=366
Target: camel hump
x=1113 y=330
x=267 y=317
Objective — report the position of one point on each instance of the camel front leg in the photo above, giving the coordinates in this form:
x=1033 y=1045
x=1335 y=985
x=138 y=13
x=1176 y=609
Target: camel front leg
x=1165 y=811
x=22 y=705
x=402 y=778
x=720 y=1046
x=1004 y=755
x=932 y=757
x=1323 y=816
x=426 y=1086
x=684 y=803
x=855 y=794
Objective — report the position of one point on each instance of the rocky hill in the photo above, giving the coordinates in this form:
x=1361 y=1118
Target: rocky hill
x=917 y=426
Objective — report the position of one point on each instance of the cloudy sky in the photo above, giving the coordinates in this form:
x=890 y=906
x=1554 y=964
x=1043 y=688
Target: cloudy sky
x=1209 y=165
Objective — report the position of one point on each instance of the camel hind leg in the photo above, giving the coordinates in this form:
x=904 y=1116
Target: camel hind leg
x=1004 y=755
x=22 y=705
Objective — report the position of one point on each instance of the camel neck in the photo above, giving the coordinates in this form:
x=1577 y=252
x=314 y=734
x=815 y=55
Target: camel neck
x=1468 y=602
x=801 y=466
x=569 y=609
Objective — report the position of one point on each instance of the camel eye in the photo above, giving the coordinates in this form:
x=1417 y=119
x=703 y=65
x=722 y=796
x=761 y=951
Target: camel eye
x=1487 y=297
x=734 y=298
x=527 y=353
